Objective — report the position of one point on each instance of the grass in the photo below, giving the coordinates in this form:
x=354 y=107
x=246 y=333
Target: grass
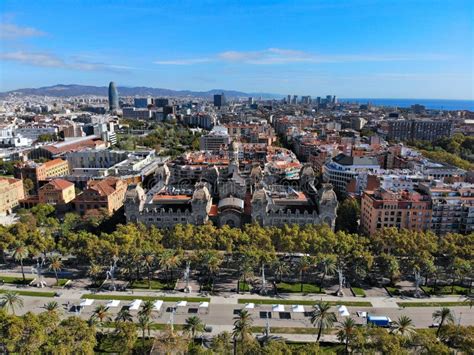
x=15 y=280
x=394 y=291
x=302 y=302
x=358 y=292
x=284 y=287
x=145 y=298
x=446 y=290
x=31 y=293
x=62 y=282
x=155 y=285
x=244 y=286
x=286 y=330
x=433 y=304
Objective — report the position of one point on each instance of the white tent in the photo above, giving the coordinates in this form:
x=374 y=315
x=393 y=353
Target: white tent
x=181 y=304
x=204 y=305
x=86 y=302
x=250 y=306
x=113 y=303
x=158 y=304
x=343 y=311
x=278 y=308
x=135 y=305
x=297 y=308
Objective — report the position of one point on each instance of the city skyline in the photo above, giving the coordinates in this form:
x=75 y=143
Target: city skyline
x=353 y=48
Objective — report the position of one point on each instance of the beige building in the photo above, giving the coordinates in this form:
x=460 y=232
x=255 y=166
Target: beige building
x=402 y=209
x=57 y=192
x=11 y=192
x=108 y=194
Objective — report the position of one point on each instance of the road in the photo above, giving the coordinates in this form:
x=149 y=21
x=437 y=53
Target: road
x=222 y=309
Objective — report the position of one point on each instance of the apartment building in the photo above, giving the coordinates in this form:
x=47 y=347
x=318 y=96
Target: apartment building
x=453 y=206
x=11 y=192
x=397 y=208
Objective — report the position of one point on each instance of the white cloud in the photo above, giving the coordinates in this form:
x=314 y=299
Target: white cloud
x=12 y=31
x=52 y=61
x=285 y=56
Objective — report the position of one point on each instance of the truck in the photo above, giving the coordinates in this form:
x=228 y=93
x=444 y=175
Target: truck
x=379 y=321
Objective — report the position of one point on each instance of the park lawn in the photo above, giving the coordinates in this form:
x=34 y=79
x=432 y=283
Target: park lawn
x=359 y=292
x=286 y=330
x=62 y=282
x=284 y=287
x=302 y=302
x=144 y=298
x=15 y=280
x=31 y=293
x=446 y=290
x=394 y=291
x=244 y=286
x=433 y=304
x=155 y=285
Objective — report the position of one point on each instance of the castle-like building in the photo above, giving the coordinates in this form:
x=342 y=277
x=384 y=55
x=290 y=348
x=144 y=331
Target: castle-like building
x=222 y=194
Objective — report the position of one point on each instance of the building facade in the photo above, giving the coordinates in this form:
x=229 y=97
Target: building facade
x=11 y=192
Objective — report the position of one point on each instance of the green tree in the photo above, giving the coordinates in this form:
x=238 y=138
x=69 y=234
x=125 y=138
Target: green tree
x=222 y=343
x=73 y=335
x=11 y=300
x=28 y=185
x=125 y=336
x=52 y=307
x=322 y=317
x=348 y=214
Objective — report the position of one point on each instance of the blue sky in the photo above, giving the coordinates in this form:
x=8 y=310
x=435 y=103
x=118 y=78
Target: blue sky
x=366 y=48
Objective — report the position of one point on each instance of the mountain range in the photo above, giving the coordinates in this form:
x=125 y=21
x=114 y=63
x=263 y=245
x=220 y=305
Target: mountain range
x=61 y=90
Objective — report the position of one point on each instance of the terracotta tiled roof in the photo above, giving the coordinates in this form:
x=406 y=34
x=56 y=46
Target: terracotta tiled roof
x=54 y=162
x=60 y=184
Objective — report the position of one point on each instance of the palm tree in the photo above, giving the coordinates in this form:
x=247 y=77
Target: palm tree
x=346 y=334
x=124 y=315
x=11 y=300
x=246 y=266
x=101 y=313
x=304 y=264
x=149 y=261
x=442 y=316
x=328 y=264
x=20 y=253
x=144 y=323
x=280 y=267
x=193 y=325
x=322 y=318
x=403 y=326
x=55 y=266
x=52 y=307
x=146 y=311
x=242 y=327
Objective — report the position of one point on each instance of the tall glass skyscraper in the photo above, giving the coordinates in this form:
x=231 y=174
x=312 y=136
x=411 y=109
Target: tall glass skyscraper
x=113 y=97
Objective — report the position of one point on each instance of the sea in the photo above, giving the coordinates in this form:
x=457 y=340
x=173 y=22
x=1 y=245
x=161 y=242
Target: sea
x=433 y=104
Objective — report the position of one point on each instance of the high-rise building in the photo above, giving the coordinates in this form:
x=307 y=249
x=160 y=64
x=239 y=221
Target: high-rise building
x=219 y=100
x=113 y=97
x=142 y=102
